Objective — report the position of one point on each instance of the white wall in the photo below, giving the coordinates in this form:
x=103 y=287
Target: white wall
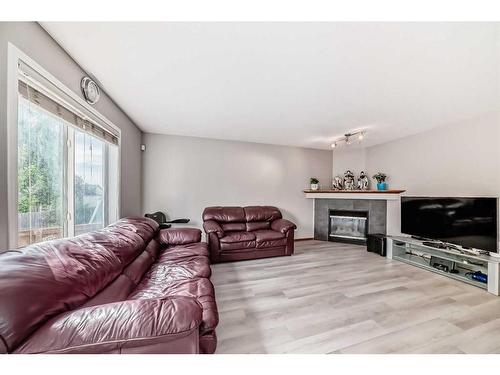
x=458 y=159
x=183 y=175
x=461 y=159
x=30 y=38
x=349 y=159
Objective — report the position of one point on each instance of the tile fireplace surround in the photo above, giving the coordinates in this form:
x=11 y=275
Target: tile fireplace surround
x=383 y=209
x=376 y=214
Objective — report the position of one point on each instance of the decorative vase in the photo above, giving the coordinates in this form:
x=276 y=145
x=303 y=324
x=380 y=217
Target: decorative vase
x=314 y=186
x=381 y=185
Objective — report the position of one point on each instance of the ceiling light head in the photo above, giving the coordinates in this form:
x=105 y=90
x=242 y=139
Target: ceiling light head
x=348 y=139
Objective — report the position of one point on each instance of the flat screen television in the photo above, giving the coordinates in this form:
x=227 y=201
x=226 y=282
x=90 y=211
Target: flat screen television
x=469 y=222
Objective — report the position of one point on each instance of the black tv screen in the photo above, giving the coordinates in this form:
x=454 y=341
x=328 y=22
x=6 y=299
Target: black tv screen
x=469 y=222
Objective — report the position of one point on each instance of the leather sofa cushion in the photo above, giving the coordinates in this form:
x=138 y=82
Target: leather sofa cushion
x=118 y=290
x=199 y=288
x=144 y=227
x=188 y=250
x=258 y=225
x=266 y=235
x=238 y=237
x=233 y=227
x=245 y=245
x=211 y=226
x=179 y=236
x=283 y=225
x=167 y=271
x=135 y=270
x=261 y=213
x=188 y=267
x=58 y=275
x=63 y=274
x=153 y=248
x=122 y=242
x=123 y=285
x=224 y=214
x=271 y=243
x=116 y=327
x=269 y=238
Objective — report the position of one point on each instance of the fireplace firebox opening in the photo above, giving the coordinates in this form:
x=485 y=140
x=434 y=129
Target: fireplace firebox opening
x=348 y=226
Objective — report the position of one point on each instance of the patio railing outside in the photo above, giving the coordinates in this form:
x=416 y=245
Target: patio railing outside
x=34 y=227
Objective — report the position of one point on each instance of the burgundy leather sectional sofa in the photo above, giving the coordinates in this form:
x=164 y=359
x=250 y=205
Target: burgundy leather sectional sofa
x=239 y=233
x=128 y=288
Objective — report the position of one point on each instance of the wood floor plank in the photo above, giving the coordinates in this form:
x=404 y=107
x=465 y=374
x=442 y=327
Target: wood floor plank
x=338 y=298
x=404 y=340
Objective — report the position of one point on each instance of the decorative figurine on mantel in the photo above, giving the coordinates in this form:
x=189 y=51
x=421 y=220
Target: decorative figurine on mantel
x=338 y=183
x=363 y=181
x=349 y=180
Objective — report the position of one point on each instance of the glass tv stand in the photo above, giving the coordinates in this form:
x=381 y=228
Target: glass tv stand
x=479 y=270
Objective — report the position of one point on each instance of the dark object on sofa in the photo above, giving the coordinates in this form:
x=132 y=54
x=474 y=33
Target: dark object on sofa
x=128 y=288
x=252 y=232
x=161 y=219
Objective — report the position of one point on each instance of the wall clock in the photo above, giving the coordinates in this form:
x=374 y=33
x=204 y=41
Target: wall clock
x=90 y=90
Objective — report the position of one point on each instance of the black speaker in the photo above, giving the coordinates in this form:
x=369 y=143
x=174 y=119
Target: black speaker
x=375 y=243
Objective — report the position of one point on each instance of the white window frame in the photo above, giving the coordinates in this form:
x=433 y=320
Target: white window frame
x=15 y=56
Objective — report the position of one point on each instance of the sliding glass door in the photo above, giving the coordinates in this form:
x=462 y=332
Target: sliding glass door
x=89 y=183
x=67 y=177
x=41 y=157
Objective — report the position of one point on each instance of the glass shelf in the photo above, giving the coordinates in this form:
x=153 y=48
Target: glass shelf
x=420 y=256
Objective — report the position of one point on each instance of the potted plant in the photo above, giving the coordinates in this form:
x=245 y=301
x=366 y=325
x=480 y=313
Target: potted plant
x=314 y=183
x=381 y=177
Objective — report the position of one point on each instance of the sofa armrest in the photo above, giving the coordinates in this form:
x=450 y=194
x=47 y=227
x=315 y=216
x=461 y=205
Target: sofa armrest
x=179 y=236
x=156 y=325
x=282 y=225
x=211 y=226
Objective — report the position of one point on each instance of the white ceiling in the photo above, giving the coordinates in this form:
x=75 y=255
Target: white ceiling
x=299 y=84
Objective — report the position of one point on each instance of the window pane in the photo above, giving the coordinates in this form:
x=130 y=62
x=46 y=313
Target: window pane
x=89 y=183
x=40 y=175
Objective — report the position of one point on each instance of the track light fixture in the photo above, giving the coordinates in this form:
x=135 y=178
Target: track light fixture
x=349 y=138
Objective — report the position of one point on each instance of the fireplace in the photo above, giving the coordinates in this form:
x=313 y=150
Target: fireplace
x=348 y=226
x=374 y=209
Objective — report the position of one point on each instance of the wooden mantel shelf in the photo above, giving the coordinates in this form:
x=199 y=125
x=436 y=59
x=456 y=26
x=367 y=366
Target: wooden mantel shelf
x=355 y=191
x=389 y=195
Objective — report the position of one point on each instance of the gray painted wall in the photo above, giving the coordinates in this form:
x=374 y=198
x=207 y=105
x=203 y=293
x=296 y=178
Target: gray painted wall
x=461 y=159
x=183 y=175
x=30 y=38
x=457 y=159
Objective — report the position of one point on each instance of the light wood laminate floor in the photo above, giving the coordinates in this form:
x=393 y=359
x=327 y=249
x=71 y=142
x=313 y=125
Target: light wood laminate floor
x=338 y=298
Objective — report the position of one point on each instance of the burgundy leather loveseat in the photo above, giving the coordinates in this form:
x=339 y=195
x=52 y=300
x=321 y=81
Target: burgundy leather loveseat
x=238 y=233
x=128 y=288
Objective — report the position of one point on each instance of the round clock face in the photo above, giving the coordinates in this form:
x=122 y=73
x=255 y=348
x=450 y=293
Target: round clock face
x=90 y=90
